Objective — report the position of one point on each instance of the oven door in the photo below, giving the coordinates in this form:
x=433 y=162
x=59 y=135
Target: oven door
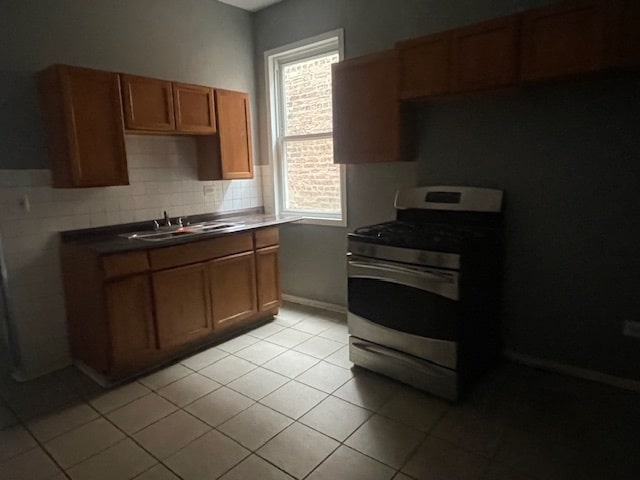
x=411 y=309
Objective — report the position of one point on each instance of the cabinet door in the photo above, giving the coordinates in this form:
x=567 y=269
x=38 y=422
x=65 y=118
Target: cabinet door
x=486 y=55
x=425 y=66
x=563 y=40
x=183 y=307
x=82 y=114
x=366 y=119
x=233 y=288
x=268 y=274
x=148 y=104
x=130 y=319
x=194 y=109
x=234 y=128
x=623 y=33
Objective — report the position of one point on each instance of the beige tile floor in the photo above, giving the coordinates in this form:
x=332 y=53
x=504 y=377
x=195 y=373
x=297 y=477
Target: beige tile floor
x=283 y=401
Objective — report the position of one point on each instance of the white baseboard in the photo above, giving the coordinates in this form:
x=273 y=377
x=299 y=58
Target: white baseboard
x=570 y=370
x=314 y=303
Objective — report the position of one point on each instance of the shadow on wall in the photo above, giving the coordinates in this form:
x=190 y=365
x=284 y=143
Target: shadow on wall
x=21 y=132
x=567 y=156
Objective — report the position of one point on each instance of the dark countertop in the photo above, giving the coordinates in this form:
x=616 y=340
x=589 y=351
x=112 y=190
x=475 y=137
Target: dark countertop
x=113 y=239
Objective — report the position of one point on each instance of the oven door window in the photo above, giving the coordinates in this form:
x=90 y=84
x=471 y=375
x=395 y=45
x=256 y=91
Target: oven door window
x=402 y=306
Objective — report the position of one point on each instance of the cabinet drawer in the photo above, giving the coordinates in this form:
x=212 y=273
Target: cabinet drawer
x=266 y=237
x=200 y=251
x=122 y=264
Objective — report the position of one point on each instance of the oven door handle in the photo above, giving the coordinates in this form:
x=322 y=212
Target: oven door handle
x=445 y=285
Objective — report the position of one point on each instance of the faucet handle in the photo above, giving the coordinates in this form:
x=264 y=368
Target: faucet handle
x=179 y=221
x=156 y=225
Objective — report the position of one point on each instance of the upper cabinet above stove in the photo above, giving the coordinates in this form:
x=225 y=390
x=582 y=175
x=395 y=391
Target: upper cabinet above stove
x=87 y=112
x=424 y=66
x=472 y=58
x=485 y=55
x=580 y=37
x=562 y=40
x=366 y=114
x=551 y=43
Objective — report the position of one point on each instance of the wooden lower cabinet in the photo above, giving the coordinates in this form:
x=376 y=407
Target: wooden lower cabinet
x=232 y=283
x=183 y=306
x=268 y=276
x=130 y=311
x=131 y=325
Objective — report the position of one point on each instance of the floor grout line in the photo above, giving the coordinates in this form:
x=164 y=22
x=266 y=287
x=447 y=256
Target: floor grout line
x=86 y=398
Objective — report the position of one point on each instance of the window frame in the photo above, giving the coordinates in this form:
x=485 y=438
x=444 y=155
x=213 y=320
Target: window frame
x=306 y=49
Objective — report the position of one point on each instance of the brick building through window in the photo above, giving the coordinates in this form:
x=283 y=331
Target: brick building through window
x=306 y=179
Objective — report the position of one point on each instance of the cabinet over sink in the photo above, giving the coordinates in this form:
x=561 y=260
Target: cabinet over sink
x=87 y=112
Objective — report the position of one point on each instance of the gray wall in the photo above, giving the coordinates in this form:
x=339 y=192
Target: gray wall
x=566 y=155
x=197 y=41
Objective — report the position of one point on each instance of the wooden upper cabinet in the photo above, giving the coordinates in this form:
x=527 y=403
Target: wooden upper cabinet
x=486 y=55
x=425 y=66
x=153 y=105
x=82 y=116
x=194 y=110
x=366 y=112
x=148 y=104
x=563 y=40
x=623 y=33
x=234 y=129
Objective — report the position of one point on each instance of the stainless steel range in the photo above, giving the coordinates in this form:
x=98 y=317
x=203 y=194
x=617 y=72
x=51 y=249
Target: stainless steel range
x=424 y=290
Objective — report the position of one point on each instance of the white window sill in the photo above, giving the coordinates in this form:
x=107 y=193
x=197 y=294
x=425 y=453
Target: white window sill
x=326 y=222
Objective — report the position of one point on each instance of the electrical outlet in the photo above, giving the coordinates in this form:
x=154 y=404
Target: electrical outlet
x=208 y=189
x=631 y=329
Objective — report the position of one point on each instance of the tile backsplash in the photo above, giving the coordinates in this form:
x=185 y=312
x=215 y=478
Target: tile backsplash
x=162 y=175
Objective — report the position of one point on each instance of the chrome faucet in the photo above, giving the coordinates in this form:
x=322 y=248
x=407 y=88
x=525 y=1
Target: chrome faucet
x=167 y=220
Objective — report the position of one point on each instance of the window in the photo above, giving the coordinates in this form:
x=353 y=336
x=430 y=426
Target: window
x=307 y=182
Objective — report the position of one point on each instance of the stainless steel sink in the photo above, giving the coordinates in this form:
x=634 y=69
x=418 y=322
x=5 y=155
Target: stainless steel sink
x=167 y=233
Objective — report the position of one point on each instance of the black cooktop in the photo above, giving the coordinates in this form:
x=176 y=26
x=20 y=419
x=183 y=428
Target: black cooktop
x=440 y=237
